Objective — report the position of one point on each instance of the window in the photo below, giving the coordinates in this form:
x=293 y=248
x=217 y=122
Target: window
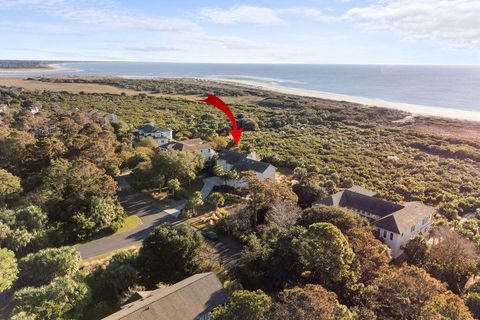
x=391 y=236
x=425 y=220
x=384 y=233
x=413 y=229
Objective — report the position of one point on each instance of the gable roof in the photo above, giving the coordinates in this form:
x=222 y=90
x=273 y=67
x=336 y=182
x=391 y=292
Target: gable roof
x=186 y=145
x=185 y=300
x=393 y=217
x=403 y=219
x=240 y=162
x=362 y=199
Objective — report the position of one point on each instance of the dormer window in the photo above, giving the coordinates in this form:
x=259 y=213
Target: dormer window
x=412 y=229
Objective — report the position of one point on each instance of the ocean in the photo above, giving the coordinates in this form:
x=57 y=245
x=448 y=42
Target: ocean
x=453 y=87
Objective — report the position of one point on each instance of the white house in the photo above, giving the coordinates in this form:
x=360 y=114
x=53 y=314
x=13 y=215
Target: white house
x=395 y=224
x=397 y=228
x=34 y=110
x=230 y=160
x=196 y=145
x=111 y=118
x=161 y=135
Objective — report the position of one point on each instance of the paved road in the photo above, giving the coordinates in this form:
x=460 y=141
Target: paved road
x=151 y=214
x=227 y=251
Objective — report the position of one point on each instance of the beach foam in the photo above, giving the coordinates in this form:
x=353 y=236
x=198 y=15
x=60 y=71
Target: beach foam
x=407 y=107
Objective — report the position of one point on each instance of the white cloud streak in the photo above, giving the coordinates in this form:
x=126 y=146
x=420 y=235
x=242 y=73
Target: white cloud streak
x=258 y=15
x=455 y=23
x=99 y=13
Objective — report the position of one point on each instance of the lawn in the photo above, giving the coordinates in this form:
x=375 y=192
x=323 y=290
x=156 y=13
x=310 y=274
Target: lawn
x=131 y=222
x=103 y=258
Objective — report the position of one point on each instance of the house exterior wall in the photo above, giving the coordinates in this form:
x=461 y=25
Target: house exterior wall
x=396 y=241
x=157 y=134
x=207 y=153
x=161 y=140
x=365 y=214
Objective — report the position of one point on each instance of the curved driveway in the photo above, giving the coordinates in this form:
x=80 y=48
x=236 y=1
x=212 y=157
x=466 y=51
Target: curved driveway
x=151 y=213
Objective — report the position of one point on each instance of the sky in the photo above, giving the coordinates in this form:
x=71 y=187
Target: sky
x=416 y=32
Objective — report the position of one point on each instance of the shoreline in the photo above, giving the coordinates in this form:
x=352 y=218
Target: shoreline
x=413 y=109
x=52 y=67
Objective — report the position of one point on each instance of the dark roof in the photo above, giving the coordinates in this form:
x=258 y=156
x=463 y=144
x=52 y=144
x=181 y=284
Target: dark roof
x=151 y=128
x=186 y=145
x=362 y=201
x=403 y=219
x=393 y=217
x=185 y=300
x=230 y=156
x=362 y=190
x=240 y=162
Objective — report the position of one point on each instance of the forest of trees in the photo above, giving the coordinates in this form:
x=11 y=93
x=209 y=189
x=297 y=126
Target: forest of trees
x=299 y=260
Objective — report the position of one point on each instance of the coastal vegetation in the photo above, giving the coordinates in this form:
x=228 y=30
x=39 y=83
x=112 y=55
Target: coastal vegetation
x=339 y=143
x=299 y=259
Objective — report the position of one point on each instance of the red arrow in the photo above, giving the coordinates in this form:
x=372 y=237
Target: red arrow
x=219 y=104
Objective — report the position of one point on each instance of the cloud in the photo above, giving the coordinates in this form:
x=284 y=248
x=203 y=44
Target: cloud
x=258 y=15
x=33 y=27
x=141 y=48
x=455 y=23
x=241 y=14
x=98 y=13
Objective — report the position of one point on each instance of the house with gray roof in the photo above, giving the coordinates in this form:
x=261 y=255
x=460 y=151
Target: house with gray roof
x=239 y=162
x=395 y=223
x=161 y=135
x=190 y=299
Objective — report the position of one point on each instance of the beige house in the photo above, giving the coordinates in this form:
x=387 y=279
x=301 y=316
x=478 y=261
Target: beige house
x=196 y=145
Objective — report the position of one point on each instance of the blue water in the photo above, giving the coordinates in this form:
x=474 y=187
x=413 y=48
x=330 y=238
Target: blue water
x=456 y=87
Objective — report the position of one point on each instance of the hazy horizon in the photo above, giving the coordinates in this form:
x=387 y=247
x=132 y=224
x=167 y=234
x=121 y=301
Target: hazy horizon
x=246 y=63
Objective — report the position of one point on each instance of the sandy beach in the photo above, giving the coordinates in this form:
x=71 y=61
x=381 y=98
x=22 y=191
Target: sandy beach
x=416 y=110
x=47 y=68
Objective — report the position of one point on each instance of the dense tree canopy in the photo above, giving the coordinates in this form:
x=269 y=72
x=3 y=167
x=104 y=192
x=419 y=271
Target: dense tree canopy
x=169 y=254
x=446 y=306
x=10 y=185
x=416 y=251
x=42 y=267
x=452 y=258
x=342 y=218
x=330 y=259
x=372 y=255
x=245 y=305
x=403 y=293
x=65 y=162
x=8 y=269
x=63 y=298
x=312 y=302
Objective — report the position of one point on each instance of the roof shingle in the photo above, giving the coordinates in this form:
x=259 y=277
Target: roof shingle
x=185 y=300
x=240 y=162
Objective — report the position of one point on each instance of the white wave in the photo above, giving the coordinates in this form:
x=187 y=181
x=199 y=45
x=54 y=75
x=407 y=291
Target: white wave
x=257 y=79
